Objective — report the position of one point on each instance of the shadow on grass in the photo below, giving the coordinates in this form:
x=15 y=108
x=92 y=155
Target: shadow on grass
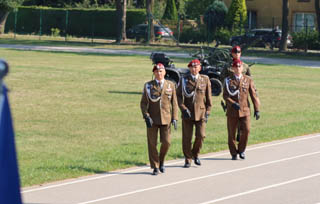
x=125 y=92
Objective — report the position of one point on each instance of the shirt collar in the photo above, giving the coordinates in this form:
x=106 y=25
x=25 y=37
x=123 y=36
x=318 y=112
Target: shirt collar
x=195 y=76
x=238 y=77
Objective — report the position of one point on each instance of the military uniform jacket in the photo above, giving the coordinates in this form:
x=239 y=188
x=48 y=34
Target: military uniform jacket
x=235 y=91
x=160 y=104
x=195 y=96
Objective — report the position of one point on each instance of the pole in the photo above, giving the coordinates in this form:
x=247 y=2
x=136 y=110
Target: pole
x=40 y=24
x=149 y=28
x=15 y=21
x=306 y=36
x=67 y=17
x=179 y=17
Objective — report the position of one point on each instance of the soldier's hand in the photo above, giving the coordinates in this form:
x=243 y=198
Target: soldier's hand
x=186 y=114
x=149 y=121
x=257 y=115
x=175 y=124
x=236 y=106
x=206 y=117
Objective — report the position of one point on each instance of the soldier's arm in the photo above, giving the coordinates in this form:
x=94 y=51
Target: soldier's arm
x=254 y=96
x=180 y=97
x=174 y=105
x=208 y=97
x=226 y=95
x=144 y=103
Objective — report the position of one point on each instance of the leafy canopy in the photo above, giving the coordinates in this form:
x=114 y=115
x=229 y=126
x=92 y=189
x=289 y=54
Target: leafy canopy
x=9 y=4
x=237 y=15
x=215 y=15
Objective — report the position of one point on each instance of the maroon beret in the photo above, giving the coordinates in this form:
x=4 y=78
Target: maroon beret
x=194 y=62
x=236 y=49
x=157 y=66
x=236 y=62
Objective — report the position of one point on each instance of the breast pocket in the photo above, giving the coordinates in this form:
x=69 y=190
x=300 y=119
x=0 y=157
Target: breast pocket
x=168 y=95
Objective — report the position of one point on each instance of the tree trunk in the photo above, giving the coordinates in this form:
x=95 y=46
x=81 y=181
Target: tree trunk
x=285 y=27
x=317 y=5
x=121 y=6
x=3 y=18
x=149 y=8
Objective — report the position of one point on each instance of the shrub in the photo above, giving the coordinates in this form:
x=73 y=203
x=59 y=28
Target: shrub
x=301 y=40
x=192 y=35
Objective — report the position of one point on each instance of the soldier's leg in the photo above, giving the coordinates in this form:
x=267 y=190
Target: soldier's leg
x=152 y=134
x=232 y=124
x=187 y=131
x=245 y=131
x=165 y=139
x=200 y=135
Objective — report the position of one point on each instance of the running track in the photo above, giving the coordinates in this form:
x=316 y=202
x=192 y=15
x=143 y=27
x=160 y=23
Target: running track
x=284 y=171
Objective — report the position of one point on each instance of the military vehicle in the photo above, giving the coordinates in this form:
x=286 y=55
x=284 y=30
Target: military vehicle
x=213 y=62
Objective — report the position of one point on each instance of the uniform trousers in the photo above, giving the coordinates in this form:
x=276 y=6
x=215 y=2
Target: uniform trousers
x=187 y=132
x=232 y=125
x=165 y=139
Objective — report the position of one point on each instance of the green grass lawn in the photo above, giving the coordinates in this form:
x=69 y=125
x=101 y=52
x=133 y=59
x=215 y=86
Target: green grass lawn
x=78 y=114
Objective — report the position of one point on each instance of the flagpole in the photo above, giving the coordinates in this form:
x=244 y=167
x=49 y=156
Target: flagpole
x=9 y=171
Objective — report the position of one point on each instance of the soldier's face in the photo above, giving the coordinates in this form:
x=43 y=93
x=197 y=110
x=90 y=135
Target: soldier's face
x=237 y=69
x=236 y=55
x=159 y=74
x=195 y=69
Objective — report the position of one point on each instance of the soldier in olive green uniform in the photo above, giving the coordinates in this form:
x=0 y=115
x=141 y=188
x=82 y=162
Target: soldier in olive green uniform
x=194 y=99
x=159 y=109
x=228 y=71
x=236 y=92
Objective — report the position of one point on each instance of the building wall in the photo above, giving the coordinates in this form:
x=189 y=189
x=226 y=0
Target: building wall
x=269 y=12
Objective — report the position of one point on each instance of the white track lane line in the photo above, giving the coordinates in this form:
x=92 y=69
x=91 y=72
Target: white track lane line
x=262 y=188
x=173 y=163
x=199 y=178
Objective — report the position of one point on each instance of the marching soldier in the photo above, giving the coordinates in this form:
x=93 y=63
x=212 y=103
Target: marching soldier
x=236 y=91
x=159 y=109
x=228 y=71
x=194 y=99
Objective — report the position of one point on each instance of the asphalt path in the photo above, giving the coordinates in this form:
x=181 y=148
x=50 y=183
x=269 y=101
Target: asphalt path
x=258 y=60
x=283 y=171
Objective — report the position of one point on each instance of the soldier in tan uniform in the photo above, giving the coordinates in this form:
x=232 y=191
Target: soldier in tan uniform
x=159 y=109
x=194 y=99
x=236 y=91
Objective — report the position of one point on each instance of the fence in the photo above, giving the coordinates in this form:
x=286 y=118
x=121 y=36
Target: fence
x=101 y=24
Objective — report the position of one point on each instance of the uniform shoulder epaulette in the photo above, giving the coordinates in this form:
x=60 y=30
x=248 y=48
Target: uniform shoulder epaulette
x=204 y=76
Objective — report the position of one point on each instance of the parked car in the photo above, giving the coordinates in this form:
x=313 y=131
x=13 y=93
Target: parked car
x=266 y=37
x=141 y=31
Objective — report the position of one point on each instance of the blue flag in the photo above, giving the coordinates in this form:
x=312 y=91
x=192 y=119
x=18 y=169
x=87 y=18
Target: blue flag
x=9 y=174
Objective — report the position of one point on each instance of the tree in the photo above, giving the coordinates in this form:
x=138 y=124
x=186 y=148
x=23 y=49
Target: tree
x=237 y=15
x=215 y=15
x=171 y=11
x=285 y=25
x=195 y=8
x=317 y=6
x=5 y=7
x=149 y=7
x=121 y=6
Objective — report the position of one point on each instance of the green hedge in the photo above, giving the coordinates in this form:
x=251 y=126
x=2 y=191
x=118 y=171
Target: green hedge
x=74 y=22
x=309 y=40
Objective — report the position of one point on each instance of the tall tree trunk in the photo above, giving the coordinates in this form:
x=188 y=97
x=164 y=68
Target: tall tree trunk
x=285 y=26
x=121 y=6
x=317 y=5
x=149 y=7
x=3 y=18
